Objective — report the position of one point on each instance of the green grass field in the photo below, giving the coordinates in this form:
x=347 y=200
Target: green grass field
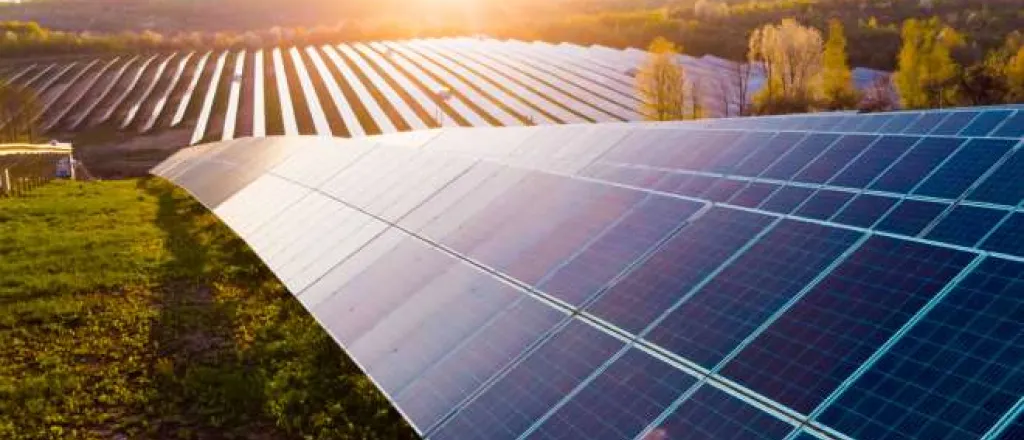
x=129 y=311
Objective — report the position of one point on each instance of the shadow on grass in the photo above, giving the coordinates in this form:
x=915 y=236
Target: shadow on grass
x=202 y=387
x=236 y=355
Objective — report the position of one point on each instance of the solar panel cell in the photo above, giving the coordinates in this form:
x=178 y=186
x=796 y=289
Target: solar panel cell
x=1012 y=126
x=926 y=123
x=966 y=225
x=722 y=190
x=954 y=374
x=1003 y=186
x=910 y=217
x=899 y=122
x=801 y=154
x=715 y=319
x=734 y=155
x=643 y=387
x=837 y=157
x=787 y=198
x=513 y=403
x=764 y=156
x=803 y=356
x=824 y=204
x=964 y=168
x=1009 y=237
x=873 y=162
x=677 y=267
x=985 y=123
x=874 y=123
x=429 y=397
x=954 y=123
x=582 y=275
x=753 y=194
x=908 y=172
x=711 y=414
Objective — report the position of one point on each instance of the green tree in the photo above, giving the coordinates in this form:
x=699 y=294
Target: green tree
x=926 y=73
x=837 y=79
x=661 y=83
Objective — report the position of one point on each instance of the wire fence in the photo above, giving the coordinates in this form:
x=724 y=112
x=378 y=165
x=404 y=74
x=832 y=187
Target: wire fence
x=20 y=174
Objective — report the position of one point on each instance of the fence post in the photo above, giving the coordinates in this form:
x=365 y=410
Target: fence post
x=7 y=181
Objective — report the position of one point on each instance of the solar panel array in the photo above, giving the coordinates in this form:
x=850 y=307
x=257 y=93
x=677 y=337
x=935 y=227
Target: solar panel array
x=351 y=90
x=763 y=278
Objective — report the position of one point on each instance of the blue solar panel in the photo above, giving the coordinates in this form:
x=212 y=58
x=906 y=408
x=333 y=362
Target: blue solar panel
x=908 y=172
x=954 y=374
x=529 y=297
x=954 y=123
x=677 y=267
x=1012 y=126
x=762 y=158
x=812 y=348
x=643 y=387
x=899 y=122
x=837 y=157
x=910 y=217
x=722 y=190
x=739 y=151
x=798 y=157
x=452 y=379
x=711 y=414
x=753 y=194
x=1003 y=186
x=1008 y=238
x=582 y=275
x=514 y=402
x=686 y=185
x=878 y=157
x=865 y=210
x=966 y=225
x=1015 y=430
x=824 y=204
x=926 y=123
x=787 y=198
x=872 y=123
x=964 y=168
x=985 y=123
x=715 y=319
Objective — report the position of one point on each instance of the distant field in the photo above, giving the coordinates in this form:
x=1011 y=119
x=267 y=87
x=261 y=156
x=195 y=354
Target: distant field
x=128 y=311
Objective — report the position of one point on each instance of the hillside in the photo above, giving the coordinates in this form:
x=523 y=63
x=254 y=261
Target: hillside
x=128 y=311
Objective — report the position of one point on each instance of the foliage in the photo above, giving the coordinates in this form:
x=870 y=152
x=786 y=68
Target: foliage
x=837 y=91
x=18 y=109
x=661 y=83
x=790 y=55
x=127 y=310
x=927 y=72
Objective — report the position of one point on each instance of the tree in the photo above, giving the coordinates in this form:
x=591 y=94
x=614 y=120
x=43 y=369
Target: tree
x=18 y=109
x=1015 y=76
x=661 y=83
x=837 y=80
x=790 y=56
x=879 y=96
x=926 y=73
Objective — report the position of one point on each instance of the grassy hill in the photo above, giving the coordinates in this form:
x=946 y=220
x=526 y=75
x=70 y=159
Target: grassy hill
x=128 y=311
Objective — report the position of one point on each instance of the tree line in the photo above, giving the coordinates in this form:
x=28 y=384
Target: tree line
x=805 y=71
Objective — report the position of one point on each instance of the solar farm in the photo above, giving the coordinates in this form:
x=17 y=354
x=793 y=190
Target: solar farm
x=830 y=276
x=353 y=90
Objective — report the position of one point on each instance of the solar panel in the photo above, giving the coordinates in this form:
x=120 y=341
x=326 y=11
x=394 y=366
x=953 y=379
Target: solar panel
x=653 y=280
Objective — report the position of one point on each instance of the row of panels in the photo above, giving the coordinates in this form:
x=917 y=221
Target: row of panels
x=500 y=297
x=344 y=90
x=352 y=90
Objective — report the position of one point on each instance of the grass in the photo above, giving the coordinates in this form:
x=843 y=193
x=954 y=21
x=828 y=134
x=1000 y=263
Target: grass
x=128 y=311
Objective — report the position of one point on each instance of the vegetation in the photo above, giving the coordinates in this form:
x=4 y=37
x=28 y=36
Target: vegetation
x=790 y=55
x=18 y=109
x=128 y=311
x=837 y=79
x=661 y=83
x=926 y=73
